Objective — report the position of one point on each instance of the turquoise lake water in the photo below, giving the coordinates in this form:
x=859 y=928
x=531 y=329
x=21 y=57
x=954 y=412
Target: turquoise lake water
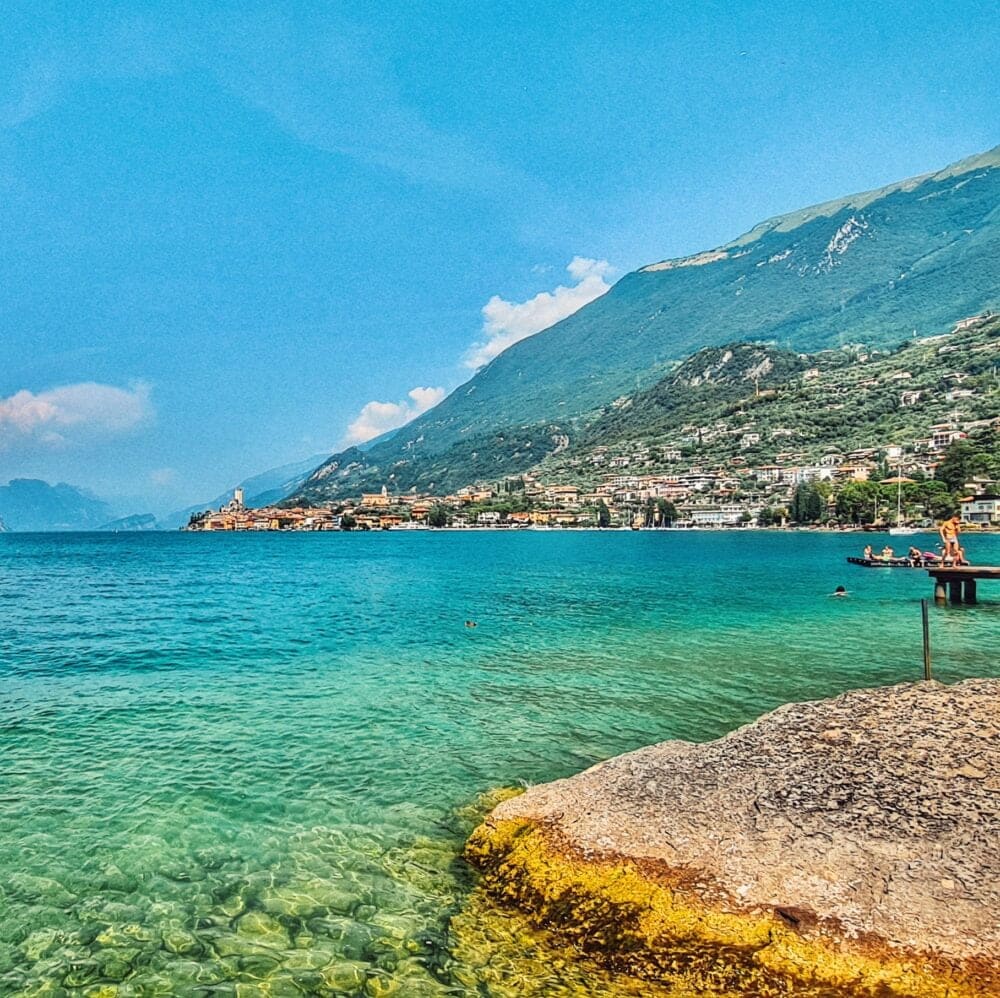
x=246 y=764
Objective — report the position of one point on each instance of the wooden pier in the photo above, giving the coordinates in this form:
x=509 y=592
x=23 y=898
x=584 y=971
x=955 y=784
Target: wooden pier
x=960 y=580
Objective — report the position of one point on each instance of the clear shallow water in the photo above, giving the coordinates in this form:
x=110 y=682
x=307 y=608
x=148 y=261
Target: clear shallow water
x=247 y=764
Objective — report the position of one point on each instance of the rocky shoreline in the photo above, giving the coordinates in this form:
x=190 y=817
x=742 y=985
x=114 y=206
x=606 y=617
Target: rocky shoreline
x=844 y=846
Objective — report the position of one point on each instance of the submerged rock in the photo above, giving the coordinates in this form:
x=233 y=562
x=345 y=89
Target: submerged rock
x=850 y=844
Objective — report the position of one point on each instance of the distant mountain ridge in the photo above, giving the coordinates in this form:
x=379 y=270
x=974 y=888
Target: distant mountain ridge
x=136 y=523
x=28 y=504
x=874 y=268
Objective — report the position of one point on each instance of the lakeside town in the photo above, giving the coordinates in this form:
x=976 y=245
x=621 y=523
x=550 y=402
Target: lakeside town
x=922 y=446
x=892 y=485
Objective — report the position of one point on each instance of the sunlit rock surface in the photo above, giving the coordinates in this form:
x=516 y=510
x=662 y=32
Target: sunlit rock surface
x=850 y=844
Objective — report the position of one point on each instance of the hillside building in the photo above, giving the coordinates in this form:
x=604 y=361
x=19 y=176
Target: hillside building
x=982 y=509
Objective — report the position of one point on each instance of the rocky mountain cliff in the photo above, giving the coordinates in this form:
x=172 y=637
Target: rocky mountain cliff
x=874 y=268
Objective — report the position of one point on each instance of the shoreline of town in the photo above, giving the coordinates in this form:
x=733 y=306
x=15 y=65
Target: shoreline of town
x=380 y=512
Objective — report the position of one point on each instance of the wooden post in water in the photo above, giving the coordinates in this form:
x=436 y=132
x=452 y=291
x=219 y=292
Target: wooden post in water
x=927 y=639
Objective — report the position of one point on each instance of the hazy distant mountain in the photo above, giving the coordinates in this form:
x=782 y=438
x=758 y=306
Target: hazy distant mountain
x=259 y=490
x=31 y=504
x=873 y=268
x=135 y=522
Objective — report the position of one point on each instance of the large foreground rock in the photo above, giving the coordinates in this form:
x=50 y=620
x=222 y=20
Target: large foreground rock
x=849 y=844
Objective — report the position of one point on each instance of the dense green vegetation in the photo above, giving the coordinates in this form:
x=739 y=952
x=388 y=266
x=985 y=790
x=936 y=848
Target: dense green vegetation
x=747 y=405
x=911 y=259
x=968 y=459
x=706 y=411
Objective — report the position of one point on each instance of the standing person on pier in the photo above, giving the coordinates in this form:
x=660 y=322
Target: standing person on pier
x=949 y=538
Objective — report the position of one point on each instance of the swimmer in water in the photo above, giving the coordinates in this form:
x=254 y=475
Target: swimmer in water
x=839 y=591
x=471 y=623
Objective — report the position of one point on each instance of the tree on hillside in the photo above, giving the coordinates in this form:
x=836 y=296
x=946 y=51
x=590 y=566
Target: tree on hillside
x=348 y=522
x=437 y=516
x=767 y=517
x=649 y=513
x=932 y=496
x=603 y=514
x=965 y=459
x=807 y=504
x=667 y=512
x=856 y=502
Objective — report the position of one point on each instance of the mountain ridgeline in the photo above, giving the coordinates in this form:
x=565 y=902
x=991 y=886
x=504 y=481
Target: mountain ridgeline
x=878 y=268
x=30 y=504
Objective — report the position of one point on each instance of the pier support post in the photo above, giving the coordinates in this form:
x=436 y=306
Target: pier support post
x=955 y=590
x=970 y=591
x=940 y=597
x=927 y=639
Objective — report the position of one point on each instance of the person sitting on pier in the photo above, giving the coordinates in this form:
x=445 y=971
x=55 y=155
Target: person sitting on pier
x=887 y=553
x=916 y=557
x=868 y=554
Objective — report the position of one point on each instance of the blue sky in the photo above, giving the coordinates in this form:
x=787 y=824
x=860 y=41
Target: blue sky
x=238 y=235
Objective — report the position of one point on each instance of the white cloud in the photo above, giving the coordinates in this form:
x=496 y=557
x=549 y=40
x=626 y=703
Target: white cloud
x=580 y=268
x=376 y=418
x=59 y=416
x=506 y=322
x=162 y=477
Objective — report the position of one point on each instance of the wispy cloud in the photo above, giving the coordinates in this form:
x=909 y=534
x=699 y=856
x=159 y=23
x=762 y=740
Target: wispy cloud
x=61 y=416
x=330 y=87
x=376 y=418
x=323 y=80
x=39 y=76
x=33 y=87
x=506 y=322
x=163 y=477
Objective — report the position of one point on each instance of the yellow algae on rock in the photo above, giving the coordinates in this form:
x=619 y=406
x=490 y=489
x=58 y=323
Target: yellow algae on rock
x=499 y=952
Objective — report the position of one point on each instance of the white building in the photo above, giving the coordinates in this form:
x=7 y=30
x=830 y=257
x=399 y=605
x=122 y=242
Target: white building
x=809 y=473
x=944 y=434
x=983 y=509
x=714 y=516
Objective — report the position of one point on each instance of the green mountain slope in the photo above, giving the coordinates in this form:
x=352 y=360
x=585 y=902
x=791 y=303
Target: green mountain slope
x=747 y=404
x=873 y=268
